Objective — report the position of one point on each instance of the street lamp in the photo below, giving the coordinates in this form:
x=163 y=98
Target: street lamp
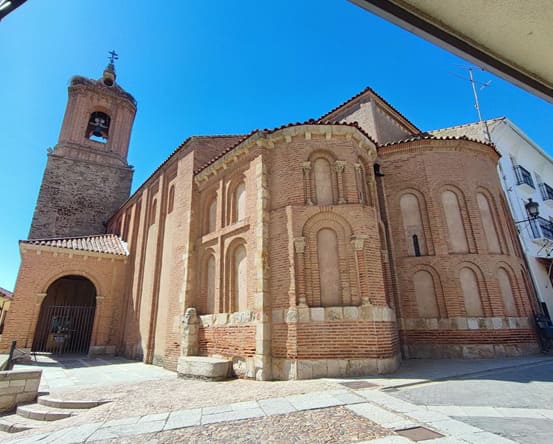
x=532 y=209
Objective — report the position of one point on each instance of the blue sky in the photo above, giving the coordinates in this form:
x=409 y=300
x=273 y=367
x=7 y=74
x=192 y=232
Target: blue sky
x=217 y=67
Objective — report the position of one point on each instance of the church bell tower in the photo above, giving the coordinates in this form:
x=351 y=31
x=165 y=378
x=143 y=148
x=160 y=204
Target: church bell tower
x=87 y=176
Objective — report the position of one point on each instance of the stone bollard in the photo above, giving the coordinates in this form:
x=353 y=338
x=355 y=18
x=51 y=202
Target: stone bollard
x=190 y=333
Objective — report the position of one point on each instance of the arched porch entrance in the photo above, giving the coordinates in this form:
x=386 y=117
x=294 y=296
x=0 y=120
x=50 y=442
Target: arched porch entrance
x=66 y=317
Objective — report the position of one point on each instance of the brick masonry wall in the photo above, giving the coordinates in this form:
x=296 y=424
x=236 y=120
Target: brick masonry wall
x=40 y=268
x=426 y=168
x=229 y=341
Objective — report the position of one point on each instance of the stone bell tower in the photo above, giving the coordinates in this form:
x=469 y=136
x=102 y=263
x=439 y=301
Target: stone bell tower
x=87 y=176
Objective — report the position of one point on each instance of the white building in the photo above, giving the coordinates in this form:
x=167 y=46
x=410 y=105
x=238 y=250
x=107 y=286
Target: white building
x=526 y=172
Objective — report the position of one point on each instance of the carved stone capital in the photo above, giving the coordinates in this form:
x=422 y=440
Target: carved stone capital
x=357 y=167
x=299 y=245
x=358 y=240
x=306 y=166
x=339 y=166
x=40 y=297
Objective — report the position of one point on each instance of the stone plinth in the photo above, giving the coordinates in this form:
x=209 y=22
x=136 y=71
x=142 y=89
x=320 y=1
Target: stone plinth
x=18 y=387
x=203 y=367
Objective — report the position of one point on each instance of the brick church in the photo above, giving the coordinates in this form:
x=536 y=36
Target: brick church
x=334 y=247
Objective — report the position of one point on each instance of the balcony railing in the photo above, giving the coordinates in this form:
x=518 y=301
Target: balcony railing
x=523 y=176
x=541 y=228
x=546 y=191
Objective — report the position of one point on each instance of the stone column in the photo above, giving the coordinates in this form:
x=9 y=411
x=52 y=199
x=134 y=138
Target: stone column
x=357 y=242
x=359 y=179
x=299 y=247
x=339 y=166
x=306 y=166
x=262 y=304
x=190 y=333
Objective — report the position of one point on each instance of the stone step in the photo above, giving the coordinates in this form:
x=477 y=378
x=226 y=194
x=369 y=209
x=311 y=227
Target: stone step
x=42 y=413
x=15 y=423
x=72 y=405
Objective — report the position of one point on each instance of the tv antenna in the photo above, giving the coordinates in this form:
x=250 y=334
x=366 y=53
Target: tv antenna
x=482 y=86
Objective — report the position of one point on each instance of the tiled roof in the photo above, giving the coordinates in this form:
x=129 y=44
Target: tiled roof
x=471 y=130
x=5 y=293
x=271 y=131
x=374 y=93
x=428 y=136
x=100 y=243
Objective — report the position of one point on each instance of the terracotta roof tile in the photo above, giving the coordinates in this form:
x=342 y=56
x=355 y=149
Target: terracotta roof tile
x=6 y=293
x=428 y=136
x=273 y=130
x=100 y=243
x=472 y=130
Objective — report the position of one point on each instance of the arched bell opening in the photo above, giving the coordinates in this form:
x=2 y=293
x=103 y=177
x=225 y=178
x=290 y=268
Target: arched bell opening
x=66 y=317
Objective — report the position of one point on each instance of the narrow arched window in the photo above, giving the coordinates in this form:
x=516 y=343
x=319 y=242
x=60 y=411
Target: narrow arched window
x=471 y=292
x=98 y=127
x=323 y=181
x=412 y=224
x=239 y=203
x=488 y=223
x=329 y=269
x=416 y=245
x=239 y=277
x=506 y=290
x=209 y=284
x=425 y=294
x=153 y=209
x=457 y=238
x=211 y=215
x=171 y=199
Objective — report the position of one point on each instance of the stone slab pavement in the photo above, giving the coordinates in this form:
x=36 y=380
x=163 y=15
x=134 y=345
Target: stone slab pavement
x=75 y=372
x=385 y=405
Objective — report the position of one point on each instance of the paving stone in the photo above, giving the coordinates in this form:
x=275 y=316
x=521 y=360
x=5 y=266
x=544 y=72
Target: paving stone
x=233 y=415
x=313 y=401
x=244 y=405
x=349 y=398
x=217 y=409
x=183 y=418
x=452 y=427
x=376 y=414
x=139 y=428
x=276 y=406
x=122 y=421
x=74 y=434
x=155 y=417
x=485 y=438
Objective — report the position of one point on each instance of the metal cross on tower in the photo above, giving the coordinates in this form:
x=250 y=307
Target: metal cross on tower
x=112 y=56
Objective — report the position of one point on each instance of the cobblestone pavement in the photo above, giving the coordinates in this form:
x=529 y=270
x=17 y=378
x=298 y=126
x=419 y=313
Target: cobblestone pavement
x=331 y=425
x=166 y=408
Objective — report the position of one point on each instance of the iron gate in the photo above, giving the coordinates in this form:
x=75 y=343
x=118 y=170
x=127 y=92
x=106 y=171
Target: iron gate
x=64 y=329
